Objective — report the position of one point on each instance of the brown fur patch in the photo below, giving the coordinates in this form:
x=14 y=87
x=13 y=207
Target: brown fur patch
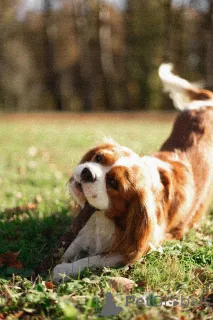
x=108 y=154
x=200 y=94
x=91 y=153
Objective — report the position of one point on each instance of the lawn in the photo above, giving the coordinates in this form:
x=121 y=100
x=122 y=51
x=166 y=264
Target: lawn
x=37 y=156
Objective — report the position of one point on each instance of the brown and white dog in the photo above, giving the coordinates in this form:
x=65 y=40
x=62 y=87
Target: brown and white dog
x=142 y=201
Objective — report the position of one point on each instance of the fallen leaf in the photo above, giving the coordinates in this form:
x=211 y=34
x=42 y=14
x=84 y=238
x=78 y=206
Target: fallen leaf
x=9 y=259
x=121 y=283
x=49 y=285
x=21 y=209
x=142 y=317
x=141 y=284
x=3 y=316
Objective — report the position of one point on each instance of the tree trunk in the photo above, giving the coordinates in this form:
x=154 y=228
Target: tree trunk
x=167 y=103
x=179 y=40
x=167 y=6
x=80 y=10
x=52 y=76
x=105 y=60
x=209 y=54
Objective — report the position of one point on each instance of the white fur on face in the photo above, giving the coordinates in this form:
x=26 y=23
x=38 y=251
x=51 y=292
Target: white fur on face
x=95 y=192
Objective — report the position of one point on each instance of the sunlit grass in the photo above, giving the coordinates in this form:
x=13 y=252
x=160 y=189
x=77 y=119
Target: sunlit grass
x=36 y=160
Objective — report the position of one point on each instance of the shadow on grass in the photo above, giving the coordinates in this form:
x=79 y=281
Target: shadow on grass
x=31 y=236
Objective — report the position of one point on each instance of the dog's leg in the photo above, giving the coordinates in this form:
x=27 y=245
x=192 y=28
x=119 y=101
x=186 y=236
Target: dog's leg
x=69 y=269
x=94 y=238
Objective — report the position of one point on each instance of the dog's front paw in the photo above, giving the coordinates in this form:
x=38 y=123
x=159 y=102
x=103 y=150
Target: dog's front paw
x=60 y=272
x=63 y=271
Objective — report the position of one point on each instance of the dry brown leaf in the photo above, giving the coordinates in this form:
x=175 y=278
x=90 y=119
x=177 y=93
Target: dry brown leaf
x=141 y=284
x=142 y=317
x=40 y=317
x=20 y=209
x=9 y=259
x=49 y=285
x=121 y=283
x=3 y=315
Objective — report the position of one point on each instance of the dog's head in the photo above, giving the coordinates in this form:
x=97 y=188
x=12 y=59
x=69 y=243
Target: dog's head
x=110 y=176
x=114 y=179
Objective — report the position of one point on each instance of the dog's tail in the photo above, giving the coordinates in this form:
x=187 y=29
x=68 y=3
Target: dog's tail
x=184 y=94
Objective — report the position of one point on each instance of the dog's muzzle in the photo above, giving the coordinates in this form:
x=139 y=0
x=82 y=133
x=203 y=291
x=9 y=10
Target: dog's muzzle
x=87 y=176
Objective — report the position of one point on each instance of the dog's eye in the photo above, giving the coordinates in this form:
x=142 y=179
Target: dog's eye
x=98 y=158
x=112 y=183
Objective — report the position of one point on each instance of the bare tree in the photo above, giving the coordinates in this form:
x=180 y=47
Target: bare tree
x=178 y=38
x=105 y=56
x=209 y=54
x=82 y=29
x=53 y=81
x=166 y=6
x=167 y=30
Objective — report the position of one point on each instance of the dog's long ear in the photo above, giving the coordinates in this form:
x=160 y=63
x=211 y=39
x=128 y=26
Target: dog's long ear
x=177 y=195
x=139 y=227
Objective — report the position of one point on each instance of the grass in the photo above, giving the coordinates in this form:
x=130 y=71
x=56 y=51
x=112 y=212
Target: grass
x=37 y=157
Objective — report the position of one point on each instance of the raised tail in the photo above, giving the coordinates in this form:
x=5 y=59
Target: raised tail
x=184 y=94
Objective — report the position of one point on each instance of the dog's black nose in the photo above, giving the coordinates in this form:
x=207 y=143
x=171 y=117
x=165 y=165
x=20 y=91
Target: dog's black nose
x=87 y=175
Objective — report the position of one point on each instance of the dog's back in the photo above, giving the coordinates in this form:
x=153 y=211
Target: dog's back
x=192 y=136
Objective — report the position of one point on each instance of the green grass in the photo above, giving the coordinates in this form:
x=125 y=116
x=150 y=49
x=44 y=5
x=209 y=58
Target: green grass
x=36 y=160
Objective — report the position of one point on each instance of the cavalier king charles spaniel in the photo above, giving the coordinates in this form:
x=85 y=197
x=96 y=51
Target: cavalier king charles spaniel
x=142 y=201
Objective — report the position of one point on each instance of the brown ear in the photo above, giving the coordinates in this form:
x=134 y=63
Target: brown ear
x=133 y=242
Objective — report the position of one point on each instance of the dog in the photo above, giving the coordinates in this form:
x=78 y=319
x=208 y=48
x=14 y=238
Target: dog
x=142 y=201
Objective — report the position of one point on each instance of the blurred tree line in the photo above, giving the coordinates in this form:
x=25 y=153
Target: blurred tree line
x=89 y=55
